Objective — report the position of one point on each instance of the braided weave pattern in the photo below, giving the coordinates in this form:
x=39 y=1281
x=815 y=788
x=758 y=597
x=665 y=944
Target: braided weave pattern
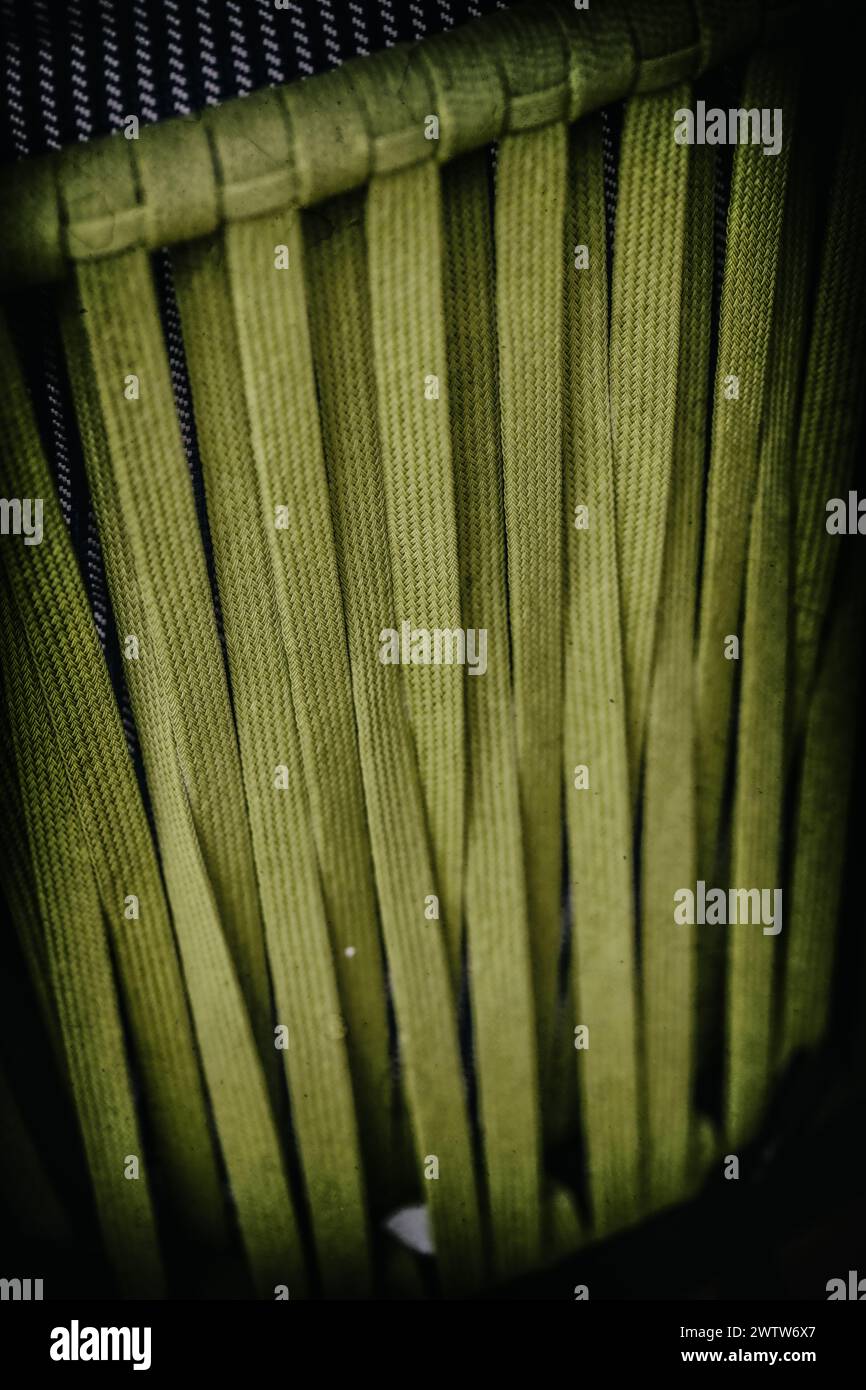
x=404 y=232
x=530 y=211
x=500 y=977
x=599 y=818
x=404 y=931
x=669 y=843
x=293 y=909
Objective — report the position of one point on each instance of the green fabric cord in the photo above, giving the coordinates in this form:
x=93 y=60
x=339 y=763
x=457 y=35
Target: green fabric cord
x=155 y=507
x=498 y=948
x=18 y=886
x=755 y=211
x=756 y=837
x=83 y=989
x=296 y=927
x=669 y=844
x=55 y=633
x=540 y=62
x=149 y=504
x=530 y=210
x=739 y=395
x=833 y=401
x=367 y=928
x=644 y=348
x=417 y=955
x=598 y=812
x=404 y=235
x=819 y=850
x=827 y=637
x=269 y=305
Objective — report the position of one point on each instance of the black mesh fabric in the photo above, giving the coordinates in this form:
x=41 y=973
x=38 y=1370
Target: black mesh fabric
x=72 y=70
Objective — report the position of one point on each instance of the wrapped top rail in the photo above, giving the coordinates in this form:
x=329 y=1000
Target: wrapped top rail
x=295 y=145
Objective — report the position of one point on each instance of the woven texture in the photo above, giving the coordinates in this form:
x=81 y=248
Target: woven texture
x=324 y=914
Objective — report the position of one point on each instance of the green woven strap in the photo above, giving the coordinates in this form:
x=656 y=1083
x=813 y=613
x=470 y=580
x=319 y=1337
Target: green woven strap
x=669 y=839
x=520 y=70
x=265 y=261
x=417 y=958
x=82 y=985
x=296 y=929
x=833 y=400
x=19 y=891
x=755 y=213
x=498 y=950
x=826 y=691
x=823 y=802
x=644 y=349
x=530 y=266
x=598 y=814
x=402 y=417
x=54 y=623
x=756 y=837
x=180 y=711
x=148 y=512
x=244 y=1123
x=404 y=235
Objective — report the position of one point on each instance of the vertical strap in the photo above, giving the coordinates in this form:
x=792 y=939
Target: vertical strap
x=596 y=759
x=54 y=624
x=404 y=235
x=759 y=794
x=82 y=985
x=644 y=355
x=754 y=229
x=499 y=958
x=296 y=928
x=823 y=802
x=146 y=511
x=279 y=401
x=417 y=958
x=144 y=476
x=19 y=892
x=530 y=250
x=244 y=1123
x=833 y=399
x=669 y=839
